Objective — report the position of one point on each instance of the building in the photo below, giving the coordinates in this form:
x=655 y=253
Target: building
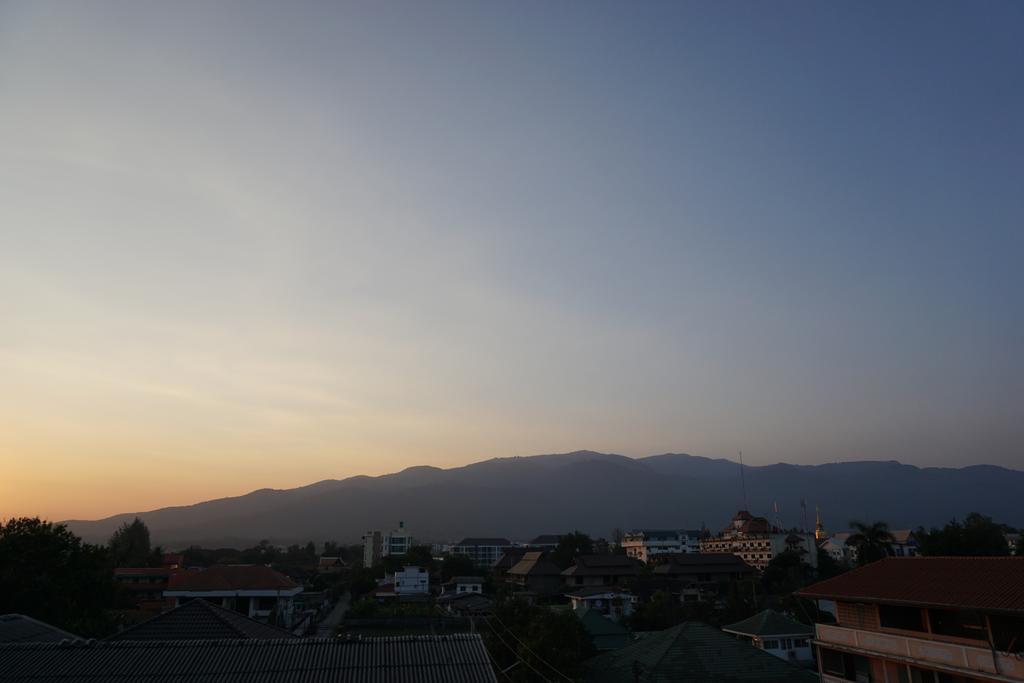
x=484 y=552
x=904 y=543
x=948 y=619
x=508 y=559
x=256 y=591
x=776 y=634
x=646 y=544
x=837 y=550
x=704 y=576
x=378 y=545
x=452 y=658
x=758 y=542
x=461 y=585
x=692 y=652
x=201 y=620
x=601 y=570
x=535 y=575
x=330 y=564
x=609 y=601
x=411 y=581
x=545 y=542
x=17 y=628
x=145 y=586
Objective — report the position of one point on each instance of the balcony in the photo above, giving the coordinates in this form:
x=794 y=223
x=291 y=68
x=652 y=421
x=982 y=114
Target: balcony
x=962 y=659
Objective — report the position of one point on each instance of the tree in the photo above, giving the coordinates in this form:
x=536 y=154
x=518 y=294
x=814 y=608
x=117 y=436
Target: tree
x=872 y=541
x=129 y=546
x=537 y=641
x=46 y=572
x=457 y=565
x=786 y=573
x=978 y=535
x=570 y=547
x=827 y=566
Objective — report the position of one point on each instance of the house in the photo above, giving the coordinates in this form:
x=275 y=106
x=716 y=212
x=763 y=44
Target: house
x=545 y=542
x=535 y=575
x=378 y=545
x=457 y=658
x=924 y=619
x=646 y=544
x=330 y=564
x=609 y=601
x=201 y=620
x=411 y=581
x=837 y=549
x=601 y=570
x=463 y=584
x=145 y=586
x=904 y=543
x=256 y=591
x=703 y=576
x=758 y=542
x=776 y=634
x=691 y=651
x=483 y=552
x=466 y=604
x=18 y=628
x=508 y=559
x=604 y=633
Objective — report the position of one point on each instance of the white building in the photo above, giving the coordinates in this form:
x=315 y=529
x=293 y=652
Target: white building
x=378 y=545
x=645 y=544
x=758 y=542
x=411 y=581
x=462 y=585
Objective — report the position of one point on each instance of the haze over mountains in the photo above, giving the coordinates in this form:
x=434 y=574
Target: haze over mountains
x=521 y=497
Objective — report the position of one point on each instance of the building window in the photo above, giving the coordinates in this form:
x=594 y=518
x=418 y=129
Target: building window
x=847 y=666
x=904 y=618
x=958 y=624
x=771 y=644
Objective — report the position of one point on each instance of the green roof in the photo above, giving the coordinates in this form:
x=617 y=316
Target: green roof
x=692 y=652
x=769 y=623
x=605 y=633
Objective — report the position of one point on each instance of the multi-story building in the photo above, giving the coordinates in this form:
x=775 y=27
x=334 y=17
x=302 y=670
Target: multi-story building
x=758 y=542
x=411 y=581
x=645 y=544
x=484 y=552
x=378 y=545
x=601 y=570
x=923 y=619
x=145 y=586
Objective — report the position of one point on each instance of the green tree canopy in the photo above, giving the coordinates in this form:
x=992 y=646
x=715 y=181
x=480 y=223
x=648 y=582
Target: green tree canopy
x=978 y=535
x=570 y=547
x=537 y=641
x=872 y=541
x=46 y=572
x=129 y=546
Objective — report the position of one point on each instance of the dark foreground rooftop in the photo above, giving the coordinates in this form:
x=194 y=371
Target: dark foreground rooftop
x=17 y=628
x=692 y=652
x=406 y=659
x=201 y=620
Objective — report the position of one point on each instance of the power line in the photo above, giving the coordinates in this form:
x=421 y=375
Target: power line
x=514 y=652
x=494 y=662
x=511 y=633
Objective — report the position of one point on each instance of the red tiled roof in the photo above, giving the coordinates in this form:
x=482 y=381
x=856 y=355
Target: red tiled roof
x=231 y=577
x=993 y=584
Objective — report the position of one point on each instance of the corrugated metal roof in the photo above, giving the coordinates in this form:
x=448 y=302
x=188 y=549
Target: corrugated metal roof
x=409 y=659
x=769 y=623
x=17 y=628
x=200 y=620
x=985 y=583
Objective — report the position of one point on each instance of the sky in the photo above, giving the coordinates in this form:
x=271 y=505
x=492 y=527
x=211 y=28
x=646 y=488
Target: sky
x=249 y=244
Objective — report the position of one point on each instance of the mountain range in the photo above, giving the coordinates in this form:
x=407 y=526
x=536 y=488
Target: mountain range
x=520 y=497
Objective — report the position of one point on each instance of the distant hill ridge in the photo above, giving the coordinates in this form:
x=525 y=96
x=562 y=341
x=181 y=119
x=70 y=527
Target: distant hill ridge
x=520 y=497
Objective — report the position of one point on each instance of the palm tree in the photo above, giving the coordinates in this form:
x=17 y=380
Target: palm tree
x=872 y=541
